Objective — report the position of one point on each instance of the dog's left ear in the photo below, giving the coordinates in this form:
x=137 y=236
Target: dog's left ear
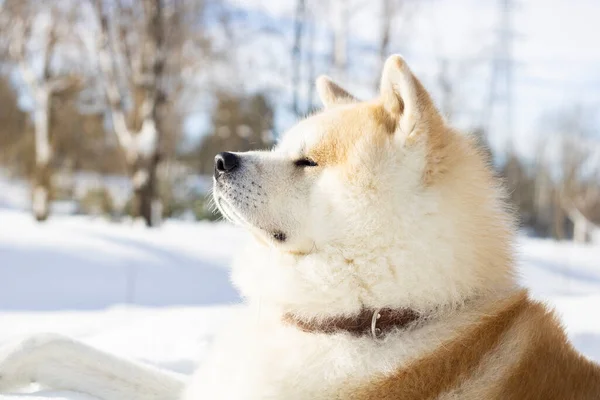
x=331 y=93
x=405 y=99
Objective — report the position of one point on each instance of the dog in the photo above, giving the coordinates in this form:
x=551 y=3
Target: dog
x=382 y=269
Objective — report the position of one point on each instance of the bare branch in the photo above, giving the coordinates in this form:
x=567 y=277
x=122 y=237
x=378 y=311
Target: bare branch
x=64 y=84
x=51 y=39
x=113 y=94
x=19 y=52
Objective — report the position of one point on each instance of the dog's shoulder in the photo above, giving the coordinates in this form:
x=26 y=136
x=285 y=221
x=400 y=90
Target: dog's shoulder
x=516 y=350
x=549 y=368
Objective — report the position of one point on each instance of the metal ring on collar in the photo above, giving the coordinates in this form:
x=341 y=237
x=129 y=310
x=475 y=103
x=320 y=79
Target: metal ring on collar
x=375 y=331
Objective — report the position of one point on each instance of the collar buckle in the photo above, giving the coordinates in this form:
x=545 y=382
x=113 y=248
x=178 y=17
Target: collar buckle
x=375 y=331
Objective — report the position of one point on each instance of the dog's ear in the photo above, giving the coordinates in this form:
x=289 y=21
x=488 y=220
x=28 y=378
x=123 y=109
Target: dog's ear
x=331 y=93
x=405 y=99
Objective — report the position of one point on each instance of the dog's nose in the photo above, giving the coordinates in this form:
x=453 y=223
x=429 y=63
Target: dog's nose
x=226 y=162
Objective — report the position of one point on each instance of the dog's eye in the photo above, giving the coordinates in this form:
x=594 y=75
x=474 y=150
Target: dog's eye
x=305 y=162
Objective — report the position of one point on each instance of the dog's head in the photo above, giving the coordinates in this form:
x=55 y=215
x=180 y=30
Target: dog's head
x=373 y=203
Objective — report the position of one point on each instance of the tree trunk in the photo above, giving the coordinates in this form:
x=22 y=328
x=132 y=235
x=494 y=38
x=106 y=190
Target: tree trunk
x=340 y=37
x=297 y=54
x=42 y=175
x=580 y=229
x=41 y=192
x=384 y=40
x=558 y=219
x=581 y=225
x=146 y=200
x=310 y=105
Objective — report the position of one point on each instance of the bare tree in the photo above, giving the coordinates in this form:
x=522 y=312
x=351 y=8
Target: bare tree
x=449 y=73
x=299 y=23
x=12 y=126
x=340 y=14
x=548 y=219
x=574 y=194
x=447 y=87
x=311 y=76
x=239 y=123
x=146 y=51
x=388 y=8
x=394 y=25
x=42 y=85
x=131 y=58
x=579 y=183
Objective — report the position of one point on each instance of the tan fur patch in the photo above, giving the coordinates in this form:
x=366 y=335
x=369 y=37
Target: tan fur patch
x=546 y=366
x=377 y=121
x=484 y=382
x=346 y=130
x=551 y=368
x=451 y=364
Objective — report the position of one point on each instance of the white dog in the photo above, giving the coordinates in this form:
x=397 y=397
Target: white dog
x=382 y=269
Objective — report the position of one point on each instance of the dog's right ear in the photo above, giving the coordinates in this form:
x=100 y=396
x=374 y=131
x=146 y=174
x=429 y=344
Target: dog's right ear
x=331 y=93
x=413 y=116
x=405 y=99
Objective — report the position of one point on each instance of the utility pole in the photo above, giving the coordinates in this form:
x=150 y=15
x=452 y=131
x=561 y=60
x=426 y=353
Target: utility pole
x=501 y=79
x=340 y=15
x=299 y=21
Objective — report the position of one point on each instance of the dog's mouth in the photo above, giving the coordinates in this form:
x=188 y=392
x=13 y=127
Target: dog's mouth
x=233 y=215
x=229 y=211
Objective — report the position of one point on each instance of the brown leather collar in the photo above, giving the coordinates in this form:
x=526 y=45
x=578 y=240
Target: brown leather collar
x=372 y=322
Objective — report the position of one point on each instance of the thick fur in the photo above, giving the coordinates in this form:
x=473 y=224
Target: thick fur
x=400 y=210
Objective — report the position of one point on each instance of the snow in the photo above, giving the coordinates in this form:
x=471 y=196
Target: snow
x=159 y=295
x=80 y=263
x=14 y=194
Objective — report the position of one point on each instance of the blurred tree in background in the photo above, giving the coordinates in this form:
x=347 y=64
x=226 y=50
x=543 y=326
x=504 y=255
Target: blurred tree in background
x=238 y=123
x=42 y=34
x=13 y=123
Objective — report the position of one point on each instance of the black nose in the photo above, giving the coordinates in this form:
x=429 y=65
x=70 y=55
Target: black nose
x=226 y=162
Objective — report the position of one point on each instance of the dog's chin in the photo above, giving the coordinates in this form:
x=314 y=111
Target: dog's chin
x=229 y=212
x=237 y=217
x=233 y=215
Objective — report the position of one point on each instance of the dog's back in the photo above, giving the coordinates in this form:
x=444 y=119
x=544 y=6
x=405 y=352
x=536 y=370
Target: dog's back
x=518 y=351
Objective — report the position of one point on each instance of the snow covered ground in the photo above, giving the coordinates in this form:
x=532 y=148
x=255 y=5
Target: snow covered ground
x=158 y=295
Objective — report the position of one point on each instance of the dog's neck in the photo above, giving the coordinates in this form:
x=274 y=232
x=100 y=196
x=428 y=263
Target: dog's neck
x=377 y=323
x=368 y=322
x=335 y=282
